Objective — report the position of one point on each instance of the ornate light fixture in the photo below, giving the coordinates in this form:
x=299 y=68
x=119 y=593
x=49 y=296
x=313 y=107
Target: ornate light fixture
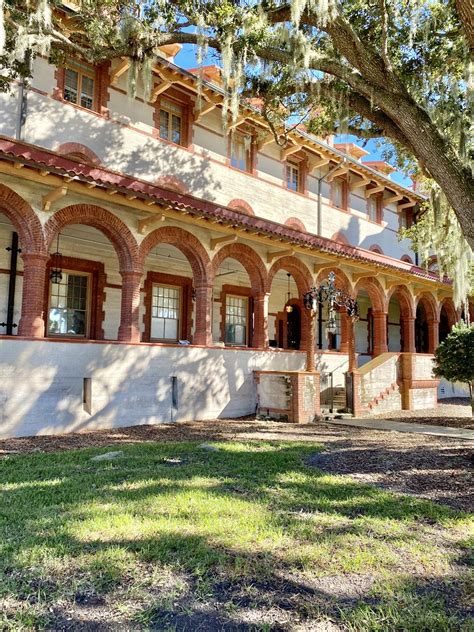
x=56 y=273
x=334 y=297
x=288 y=307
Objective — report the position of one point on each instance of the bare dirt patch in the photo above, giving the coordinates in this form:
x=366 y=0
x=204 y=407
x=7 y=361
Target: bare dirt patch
x=454 y=412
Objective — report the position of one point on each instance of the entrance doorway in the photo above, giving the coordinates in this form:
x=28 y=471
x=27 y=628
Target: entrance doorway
x=293 y=328
x=421 y=330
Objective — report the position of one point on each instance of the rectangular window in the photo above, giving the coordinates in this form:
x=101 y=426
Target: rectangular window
x=171 y=121
x=165 y=313
x=68 y=305
x=236 y=315
x=293 y=177
x=79 y=85
x=339 y=193
x=240 y=152
x=374 y=208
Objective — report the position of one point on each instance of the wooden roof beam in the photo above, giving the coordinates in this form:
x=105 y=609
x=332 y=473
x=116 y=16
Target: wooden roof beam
x=402 y=207
x=157 y=90
x=238 y=121
x=392 y=199
x=266 y=140
x=204 y=110
x=317 y=164
x=292 y=149
x=363 y=182
x=343 y=168
x=374 y=190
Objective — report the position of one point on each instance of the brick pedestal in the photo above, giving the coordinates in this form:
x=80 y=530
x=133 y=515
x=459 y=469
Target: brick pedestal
x=291 y=395
x=408 y=325
x=129 y=329
x=32 y=322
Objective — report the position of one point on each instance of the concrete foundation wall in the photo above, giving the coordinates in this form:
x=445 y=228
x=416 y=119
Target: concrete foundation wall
x=42 y=384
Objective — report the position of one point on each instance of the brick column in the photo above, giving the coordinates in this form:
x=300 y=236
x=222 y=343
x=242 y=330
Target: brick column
x=351 y=345
x=310 y=343
x=260 y=323
x=32 y=303
x=380 y=332
x=203 y=315
x=345 y=332
x=408 y=324
x=433 y=335
x=129 y=330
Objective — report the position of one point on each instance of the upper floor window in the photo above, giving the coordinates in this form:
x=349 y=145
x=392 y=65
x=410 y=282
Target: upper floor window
x=339 y=193
x=406 y=218
x=374 y=208
x=240 y=148
x=171 y=121
x=293 y=176
x=79 y=85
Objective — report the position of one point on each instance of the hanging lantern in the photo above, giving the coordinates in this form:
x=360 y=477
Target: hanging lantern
x=331 y=326
x=56 y=274
x=288 y=307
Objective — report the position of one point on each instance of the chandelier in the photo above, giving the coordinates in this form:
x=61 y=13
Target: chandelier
x=334 y=297
x=288 y=307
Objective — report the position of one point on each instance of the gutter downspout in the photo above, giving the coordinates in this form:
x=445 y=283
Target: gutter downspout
x=320 y=180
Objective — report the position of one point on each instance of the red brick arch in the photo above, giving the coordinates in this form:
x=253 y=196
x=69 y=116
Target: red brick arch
x=109 y=224
x=184 y=241
x=374 y=290
x=451 y=312
x=251 y=261
x=78 y=150
x=24 y=220
x=297 y=224
x=405 y=300
x=298 y=270
x=241 y=205
x=430 y=304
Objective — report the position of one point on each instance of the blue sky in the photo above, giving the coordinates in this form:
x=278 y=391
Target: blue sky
x=186 y=58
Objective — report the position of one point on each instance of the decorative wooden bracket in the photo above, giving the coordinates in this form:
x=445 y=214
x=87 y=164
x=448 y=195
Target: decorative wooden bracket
x=357 y=276
x=266 y=140
x=119 y=71
x=284 y=153
x=377 y=189
x=157 y=90
x=339 y=171
x=236 y=123
x=317 y=164
x=402 y=207
x=18 y=165
x=277 y=254
x=360 y=183
x=203 y=111
x=392 y=199
x=52 y=196
x=221 y=241
x=149 y=222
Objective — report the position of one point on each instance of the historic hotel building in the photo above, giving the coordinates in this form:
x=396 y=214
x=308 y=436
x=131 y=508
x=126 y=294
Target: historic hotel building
x=162 y=261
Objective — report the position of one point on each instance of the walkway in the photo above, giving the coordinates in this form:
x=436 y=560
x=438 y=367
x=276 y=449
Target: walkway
x=402 y=426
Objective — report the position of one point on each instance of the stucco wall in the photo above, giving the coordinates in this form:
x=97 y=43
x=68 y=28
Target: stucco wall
x=41 y=384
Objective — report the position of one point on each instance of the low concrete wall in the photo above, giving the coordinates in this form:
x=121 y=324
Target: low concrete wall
x=42 y=387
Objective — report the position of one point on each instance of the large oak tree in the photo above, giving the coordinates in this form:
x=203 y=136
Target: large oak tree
x=396 y=69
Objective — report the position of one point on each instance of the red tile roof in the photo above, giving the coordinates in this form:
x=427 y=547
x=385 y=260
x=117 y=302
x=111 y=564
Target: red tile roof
x=41 y=158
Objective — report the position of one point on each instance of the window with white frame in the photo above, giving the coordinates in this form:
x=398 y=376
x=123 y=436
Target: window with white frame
x=293 y=176
x=171 y=121
x=165 y=312
x=79 y=85
x=236 y=316
x=68 y=313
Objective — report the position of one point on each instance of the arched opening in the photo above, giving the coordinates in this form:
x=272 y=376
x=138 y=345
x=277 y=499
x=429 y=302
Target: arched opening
x=288 y=320
x=11 y=277
x=239 y=279
x=177 y=302
x=421 y=329
x=75 y=304
x=444 y=324
x=364 y=328
x=400 y=321
x=395 y=340
x=371 y=328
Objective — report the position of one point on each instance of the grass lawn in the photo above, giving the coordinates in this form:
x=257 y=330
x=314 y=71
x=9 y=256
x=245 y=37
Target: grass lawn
x=247 y=537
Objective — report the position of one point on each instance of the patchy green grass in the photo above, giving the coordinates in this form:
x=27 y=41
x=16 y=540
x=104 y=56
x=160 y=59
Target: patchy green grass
x=172 y=537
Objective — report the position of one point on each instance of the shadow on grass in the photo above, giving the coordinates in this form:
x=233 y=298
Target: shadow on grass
x=249 y=523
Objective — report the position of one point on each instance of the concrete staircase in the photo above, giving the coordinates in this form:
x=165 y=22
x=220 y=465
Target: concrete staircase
x=379 y=384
